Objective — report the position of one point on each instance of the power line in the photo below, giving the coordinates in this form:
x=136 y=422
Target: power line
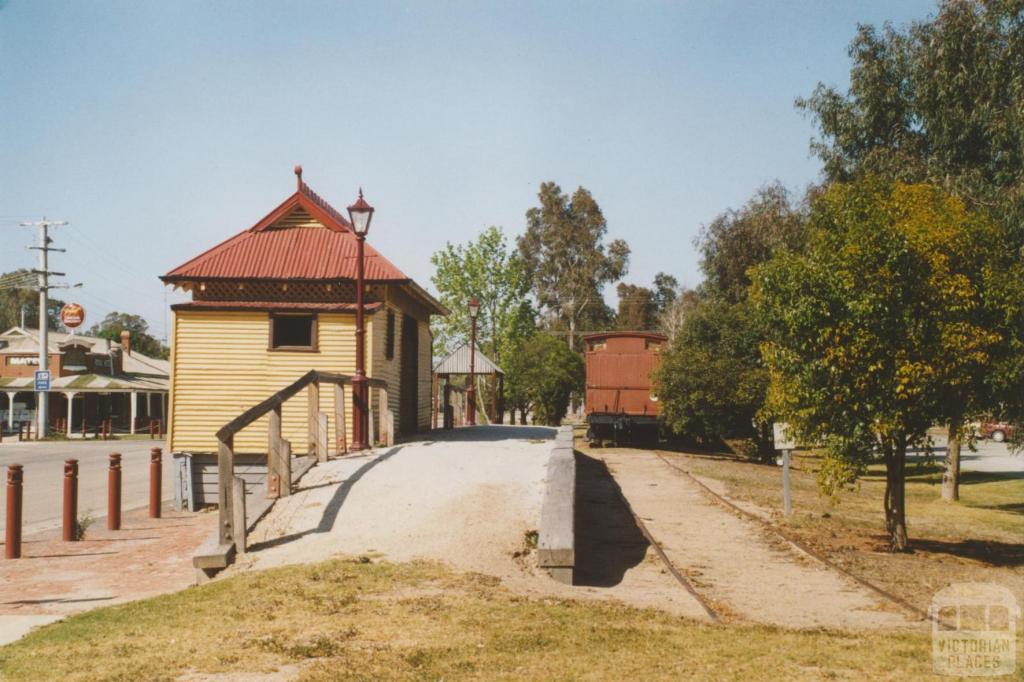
x=107 y=256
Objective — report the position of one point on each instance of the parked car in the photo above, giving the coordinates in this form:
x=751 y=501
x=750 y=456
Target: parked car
x=996 y=431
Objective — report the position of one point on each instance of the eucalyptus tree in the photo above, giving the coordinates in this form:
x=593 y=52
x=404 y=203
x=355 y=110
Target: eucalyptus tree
x=566 y=256
x=492 y=271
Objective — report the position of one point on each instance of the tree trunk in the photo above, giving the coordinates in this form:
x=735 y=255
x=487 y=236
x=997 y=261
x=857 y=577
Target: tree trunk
x=951 y=476
x=895 y=493
x=522 y=416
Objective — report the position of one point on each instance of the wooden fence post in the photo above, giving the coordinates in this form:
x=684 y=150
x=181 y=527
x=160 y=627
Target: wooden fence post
x=286 y=468
x=225 y=476
x=339 y=419
x=321 y=437
x=238 y=512
x=274 y=467
x=311 y=422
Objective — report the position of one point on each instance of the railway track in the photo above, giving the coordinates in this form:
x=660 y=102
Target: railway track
x=778 y=532
x=669 y=566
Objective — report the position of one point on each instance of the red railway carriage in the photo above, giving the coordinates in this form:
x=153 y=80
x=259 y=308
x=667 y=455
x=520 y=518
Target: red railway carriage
x=620 y=403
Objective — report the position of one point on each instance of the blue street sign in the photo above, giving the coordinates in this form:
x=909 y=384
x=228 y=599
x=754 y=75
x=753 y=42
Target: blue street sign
x=42 y=380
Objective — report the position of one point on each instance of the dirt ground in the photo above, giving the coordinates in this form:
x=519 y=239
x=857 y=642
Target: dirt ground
x=470 y=498
x=746 y=572
x=467 y=499
x=978 y=539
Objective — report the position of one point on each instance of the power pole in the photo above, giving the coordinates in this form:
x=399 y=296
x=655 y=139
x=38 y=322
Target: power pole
x=44 y=249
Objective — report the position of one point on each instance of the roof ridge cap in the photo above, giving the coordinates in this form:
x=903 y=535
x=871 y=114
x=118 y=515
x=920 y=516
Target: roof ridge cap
x=322 y=203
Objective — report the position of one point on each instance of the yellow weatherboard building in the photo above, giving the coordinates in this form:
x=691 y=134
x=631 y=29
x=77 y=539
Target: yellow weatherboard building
x=277 y=300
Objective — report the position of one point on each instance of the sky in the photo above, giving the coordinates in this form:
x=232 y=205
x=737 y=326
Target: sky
x=158 y=129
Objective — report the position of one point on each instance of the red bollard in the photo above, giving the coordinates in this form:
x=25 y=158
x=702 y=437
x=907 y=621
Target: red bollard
x=12 y=546
x=114 y=493
x=70 y=500
x=155 y=481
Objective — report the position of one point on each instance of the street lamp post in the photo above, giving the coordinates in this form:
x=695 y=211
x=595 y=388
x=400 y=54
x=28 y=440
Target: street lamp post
x=474 y=309
x=360 y=213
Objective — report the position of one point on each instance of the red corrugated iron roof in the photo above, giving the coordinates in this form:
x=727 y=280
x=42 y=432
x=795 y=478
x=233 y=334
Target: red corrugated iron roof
x=309 y=253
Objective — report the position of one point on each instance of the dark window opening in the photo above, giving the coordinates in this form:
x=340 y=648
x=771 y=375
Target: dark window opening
x=293 y=331
x=389 y=346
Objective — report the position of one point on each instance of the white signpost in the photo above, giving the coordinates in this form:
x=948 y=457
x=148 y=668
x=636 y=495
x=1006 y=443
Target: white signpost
x=784 y=441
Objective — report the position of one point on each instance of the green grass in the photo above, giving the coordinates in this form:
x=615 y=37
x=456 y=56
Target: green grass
x=352 y=620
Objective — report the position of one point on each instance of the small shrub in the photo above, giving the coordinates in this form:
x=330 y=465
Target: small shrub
x=83 y=525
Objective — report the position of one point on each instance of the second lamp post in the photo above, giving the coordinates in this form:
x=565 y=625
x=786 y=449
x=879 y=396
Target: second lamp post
x=474 y=309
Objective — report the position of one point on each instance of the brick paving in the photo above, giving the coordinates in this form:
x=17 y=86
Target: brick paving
x=55 y=578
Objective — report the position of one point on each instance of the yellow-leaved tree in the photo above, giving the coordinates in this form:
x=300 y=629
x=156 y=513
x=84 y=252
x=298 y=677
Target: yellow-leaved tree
x=900 y=314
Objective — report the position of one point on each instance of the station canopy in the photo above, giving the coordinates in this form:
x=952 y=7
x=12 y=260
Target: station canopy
x=457 y=362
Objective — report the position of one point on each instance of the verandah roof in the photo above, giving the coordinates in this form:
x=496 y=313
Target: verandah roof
x=89 y=383
x=457 y=362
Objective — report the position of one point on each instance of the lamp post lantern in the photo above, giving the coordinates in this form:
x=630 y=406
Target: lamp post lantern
x=360 y=214
x=474 y=310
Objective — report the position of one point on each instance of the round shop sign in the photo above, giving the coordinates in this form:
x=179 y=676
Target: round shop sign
x=72 y=315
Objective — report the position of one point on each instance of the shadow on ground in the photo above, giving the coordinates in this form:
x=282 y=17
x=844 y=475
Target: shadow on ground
x=987 y=551
x=608 y=541
x=333 y=507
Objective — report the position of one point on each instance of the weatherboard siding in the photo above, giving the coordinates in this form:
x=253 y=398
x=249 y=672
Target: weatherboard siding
x=222 y=367
x=379 y=367
x=426 y=360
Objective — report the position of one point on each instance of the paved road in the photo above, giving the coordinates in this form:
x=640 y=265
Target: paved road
x=44 y=474
x=990 y=457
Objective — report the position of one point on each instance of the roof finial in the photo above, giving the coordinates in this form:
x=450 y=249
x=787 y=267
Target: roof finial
x=360 y=192
x=298 y=175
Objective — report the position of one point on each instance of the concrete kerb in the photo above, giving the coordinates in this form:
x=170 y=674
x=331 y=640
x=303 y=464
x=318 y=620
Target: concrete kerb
x=556 y=538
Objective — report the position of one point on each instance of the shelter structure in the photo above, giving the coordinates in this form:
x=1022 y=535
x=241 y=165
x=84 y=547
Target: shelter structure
x=276 y=301
x=457 y=363
x=93 y=380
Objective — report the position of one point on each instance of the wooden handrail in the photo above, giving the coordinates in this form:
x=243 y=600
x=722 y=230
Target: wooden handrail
x=282 y=396
x=231 y=531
